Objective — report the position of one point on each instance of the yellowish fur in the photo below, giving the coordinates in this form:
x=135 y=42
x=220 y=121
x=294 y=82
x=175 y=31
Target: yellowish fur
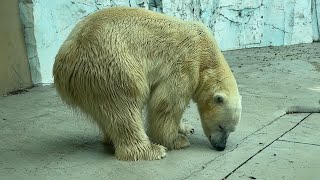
x=118 y=60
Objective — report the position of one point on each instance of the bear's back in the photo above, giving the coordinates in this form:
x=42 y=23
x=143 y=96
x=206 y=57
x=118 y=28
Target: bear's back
x=134 y=29
x=125 y=35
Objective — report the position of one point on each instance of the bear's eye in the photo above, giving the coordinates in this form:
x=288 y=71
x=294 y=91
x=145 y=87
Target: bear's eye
x=219 y=98
x=221 y=128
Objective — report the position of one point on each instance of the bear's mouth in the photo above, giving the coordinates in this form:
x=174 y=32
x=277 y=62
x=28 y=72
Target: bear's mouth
x=218 y=144
x=218 y=147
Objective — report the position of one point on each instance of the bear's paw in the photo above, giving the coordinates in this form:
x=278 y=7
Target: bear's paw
x=186 y=129
x=181 y=142
x=141 y=152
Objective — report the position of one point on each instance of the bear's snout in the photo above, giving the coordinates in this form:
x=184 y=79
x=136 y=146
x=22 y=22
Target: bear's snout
x=219 y=147
x=219 y=143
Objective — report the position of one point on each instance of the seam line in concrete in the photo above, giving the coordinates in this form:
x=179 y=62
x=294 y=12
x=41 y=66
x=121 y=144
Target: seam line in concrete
x=206 y=164
x=203 y=166
x=297 y=142
x=261 y=128
x=266 y=146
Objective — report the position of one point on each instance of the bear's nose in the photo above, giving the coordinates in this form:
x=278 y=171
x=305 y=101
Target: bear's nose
x=220 y=148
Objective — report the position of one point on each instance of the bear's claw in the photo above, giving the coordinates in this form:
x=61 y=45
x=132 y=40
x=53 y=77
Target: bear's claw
x=186 y=129
x=192 y=131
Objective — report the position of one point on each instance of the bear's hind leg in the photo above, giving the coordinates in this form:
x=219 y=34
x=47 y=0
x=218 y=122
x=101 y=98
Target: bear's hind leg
x=105 y=136
x=128 y=136
x=106 y=139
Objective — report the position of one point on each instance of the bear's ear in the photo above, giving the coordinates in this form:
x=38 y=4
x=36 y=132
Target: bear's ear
x=219 y=98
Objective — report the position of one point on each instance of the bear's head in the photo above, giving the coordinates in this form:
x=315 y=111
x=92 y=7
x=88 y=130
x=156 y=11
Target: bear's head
x=220 y=117
x=217 y=94
x=220 y=108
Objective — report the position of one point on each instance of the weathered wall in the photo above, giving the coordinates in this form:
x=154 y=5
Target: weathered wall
x=253 y=23
x=14 y=66
x=235 y=23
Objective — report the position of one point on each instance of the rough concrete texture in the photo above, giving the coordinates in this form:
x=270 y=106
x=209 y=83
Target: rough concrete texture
x=235 y=23
x=42 y=139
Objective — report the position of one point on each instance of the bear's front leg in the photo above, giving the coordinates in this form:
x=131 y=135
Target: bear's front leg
x=186 y=129
x=164 y=121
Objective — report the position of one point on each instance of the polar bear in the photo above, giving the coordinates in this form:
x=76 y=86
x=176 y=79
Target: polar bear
x=119 y=60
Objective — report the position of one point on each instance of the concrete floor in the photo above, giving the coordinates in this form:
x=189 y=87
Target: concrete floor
x=42 y=139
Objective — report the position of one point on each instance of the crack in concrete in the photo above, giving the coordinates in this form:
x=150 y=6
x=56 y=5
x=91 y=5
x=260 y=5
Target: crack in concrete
x=97 y=4
x=289 y=111
x=85 y=4
x=231 y=21
x=72 y=24
x=266 y=146
x=246 y=8
x=206 y=164
x=274 y=27
x=241 y=141
x=297 y=142
x=255 y=132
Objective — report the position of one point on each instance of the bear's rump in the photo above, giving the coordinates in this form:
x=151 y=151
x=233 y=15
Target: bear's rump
x=81 y=76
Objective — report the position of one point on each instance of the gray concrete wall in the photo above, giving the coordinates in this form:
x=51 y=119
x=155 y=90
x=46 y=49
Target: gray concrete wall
x=14 y=66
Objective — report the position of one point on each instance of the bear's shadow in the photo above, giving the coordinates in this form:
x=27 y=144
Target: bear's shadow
x=92 y=145
x=71 y=145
